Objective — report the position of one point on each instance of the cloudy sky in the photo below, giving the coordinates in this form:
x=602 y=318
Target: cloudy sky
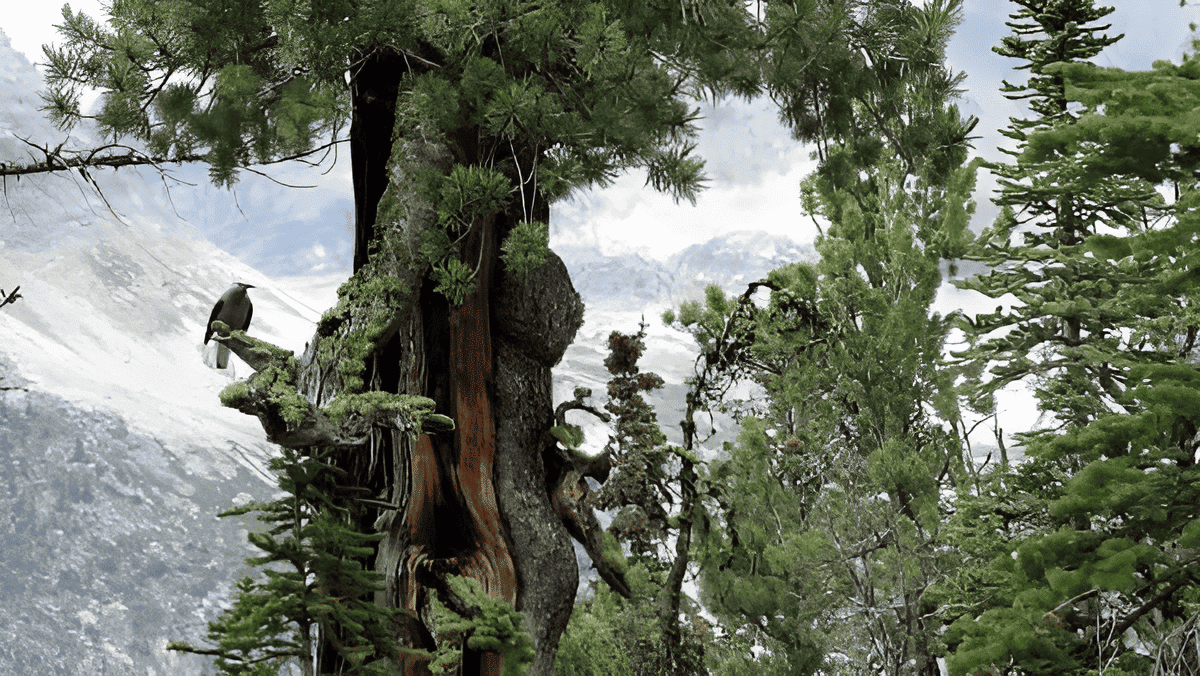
x=754 y=165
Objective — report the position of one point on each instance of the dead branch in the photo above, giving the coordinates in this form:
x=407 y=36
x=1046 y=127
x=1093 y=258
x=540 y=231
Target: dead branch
x=61 y=159
x=11 y=298
x=115 y=156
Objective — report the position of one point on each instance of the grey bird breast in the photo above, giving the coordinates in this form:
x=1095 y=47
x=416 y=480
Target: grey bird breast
x=235 y=309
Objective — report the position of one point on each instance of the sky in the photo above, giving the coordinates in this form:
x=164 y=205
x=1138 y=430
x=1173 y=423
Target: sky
x=754 y=165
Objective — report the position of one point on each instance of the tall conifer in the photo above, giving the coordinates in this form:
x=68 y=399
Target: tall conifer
x=1081 y=559
x=1061 y=331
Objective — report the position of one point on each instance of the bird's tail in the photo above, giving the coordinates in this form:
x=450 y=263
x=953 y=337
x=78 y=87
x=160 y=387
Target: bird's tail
x=222 y=356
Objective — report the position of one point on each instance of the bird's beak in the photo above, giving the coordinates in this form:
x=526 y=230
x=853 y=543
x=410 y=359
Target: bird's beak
x=248 y=286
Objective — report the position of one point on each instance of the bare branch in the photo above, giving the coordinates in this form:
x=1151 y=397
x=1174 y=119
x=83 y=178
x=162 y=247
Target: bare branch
x=275 y=180
x=60 y=159
x=12 y=297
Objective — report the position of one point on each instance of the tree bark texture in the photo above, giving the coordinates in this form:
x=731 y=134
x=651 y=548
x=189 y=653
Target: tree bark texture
x=475 y=501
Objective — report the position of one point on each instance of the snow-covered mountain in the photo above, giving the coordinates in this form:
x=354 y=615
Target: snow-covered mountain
x=730 y=261
x=114 y=451
x=115 y=454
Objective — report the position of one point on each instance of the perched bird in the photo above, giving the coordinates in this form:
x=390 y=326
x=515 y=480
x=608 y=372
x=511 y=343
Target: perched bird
x=235 y=309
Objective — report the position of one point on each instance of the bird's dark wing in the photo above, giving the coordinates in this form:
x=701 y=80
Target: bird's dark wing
x=249 y=314
x=208 y=329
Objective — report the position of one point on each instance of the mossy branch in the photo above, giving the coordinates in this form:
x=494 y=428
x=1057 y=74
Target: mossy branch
x=291 y=420
x=258 y=354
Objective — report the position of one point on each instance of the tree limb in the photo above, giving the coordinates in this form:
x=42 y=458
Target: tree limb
x=11 y=298
x=59 y=159
x=1149 y=605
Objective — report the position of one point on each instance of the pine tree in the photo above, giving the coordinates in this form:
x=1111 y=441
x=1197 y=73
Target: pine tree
x=313 y=553
x=465 y=121
x=1064 y=331
x=1094 y=564
x=823 y=538
x=653 y=492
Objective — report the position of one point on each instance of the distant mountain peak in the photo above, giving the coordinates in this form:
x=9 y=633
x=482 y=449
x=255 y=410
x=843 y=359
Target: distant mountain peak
x=730 y=261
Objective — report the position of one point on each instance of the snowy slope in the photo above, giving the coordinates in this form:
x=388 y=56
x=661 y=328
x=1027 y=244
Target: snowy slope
x=116 y=289
x=115 y=453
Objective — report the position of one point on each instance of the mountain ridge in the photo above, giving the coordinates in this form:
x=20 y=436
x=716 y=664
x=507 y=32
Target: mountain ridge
x=730 y=261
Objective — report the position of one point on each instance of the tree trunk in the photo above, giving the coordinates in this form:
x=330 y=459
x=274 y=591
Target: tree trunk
x=473 y=502
x=373 y=89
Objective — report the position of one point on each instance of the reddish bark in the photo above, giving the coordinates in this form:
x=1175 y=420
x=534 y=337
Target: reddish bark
x=471 y=382
x=452 y=520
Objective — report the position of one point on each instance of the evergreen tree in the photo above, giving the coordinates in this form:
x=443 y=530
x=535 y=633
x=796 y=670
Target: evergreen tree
x=315 y=578
x=1064 y=331
x=825 y=534
x=1095 y=573
x=465 y=121
x=653 y=492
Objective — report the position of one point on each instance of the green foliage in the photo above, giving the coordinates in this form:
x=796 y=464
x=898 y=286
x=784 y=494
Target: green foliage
x=572 y=92
x=235 y=394
x=762 y=563
x=590 y=647
x=494 y=626
x=469 y=193
x=637 y=487
x=649 y=478
x=1114 y=538
x=226 y=110
x=455 y=280
x=908 y=473
x=314 y=573
x=570 y=436
x=1080 y=553
x=526 y=248
x=825 y=531
x=524 y=102
x=1073 y=243
x=611 y=636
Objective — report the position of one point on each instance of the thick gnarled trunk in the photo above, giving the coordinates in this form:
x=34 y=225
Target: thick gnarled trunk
x=474 y=501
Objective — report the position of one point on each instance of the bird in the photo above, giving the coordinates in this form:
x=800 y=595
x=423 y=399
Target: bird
x=235 y=309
